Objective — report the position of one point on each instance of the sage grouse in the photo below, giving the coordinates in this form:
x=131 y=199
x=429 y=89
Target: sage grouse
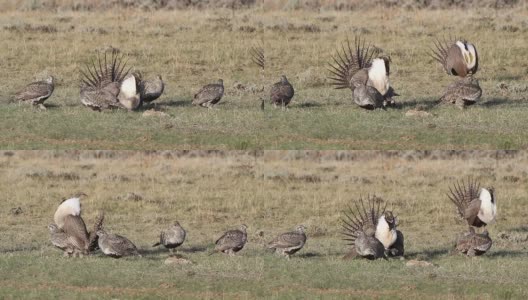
x=115 y=245
x=357 y=68
x=459 y=58
x=281 y=92
x=289 y=243
x=103 y=85
x=231 y=241
x=37 y=92
x=61 y=240
x=473 y=244
x=68 y=218
x=209 y=95
x=149 y=90
x=477 y=206
x=372 y=230
x=172 y=237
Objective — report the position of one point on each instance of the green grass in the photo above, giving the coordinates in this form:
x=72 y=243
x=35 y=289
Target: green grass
x=192 y=48
x=271 y=193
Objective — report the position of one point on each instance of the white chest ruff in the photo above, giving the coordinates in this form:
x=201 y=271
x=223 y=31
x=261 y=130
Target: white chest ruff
x=378 y=76
x=384 y=234
x=488 y=209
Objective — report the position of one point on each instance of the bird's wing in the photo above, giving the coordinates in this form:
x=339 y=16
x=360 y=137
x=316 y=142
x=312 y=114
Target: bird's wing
x=34 y=90
x=75 y=228
x=472 y=210
x=230 y=239
x=454 y=62
x=120 y=242
x=289 y=239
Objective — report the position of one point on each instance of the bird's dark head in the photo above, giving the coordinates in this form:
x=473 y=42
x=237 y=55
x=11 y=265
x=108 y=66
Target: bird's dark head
x=50 y=79
x=100 y=232
x=176 y=223
x=220 y=82
x=159 y=77
x=243 y=227
x=390 y=218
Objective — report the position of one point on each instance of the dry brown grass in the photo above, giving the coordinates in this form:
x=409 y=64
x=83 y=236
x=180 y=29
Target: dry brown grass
x=271 y=192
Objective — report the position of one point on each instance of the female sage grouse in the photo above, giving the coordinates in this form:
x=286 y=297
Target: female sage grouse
x=281 y=92
x=37 y=92
x=149 y=90
x=232 y=241
x=115 y=245
x=103 y=84
x=476 y=205
x=209 y=95
x=61 y=240
x=372 y=230
x=459 y=58
x=172 y=237
x=357 y=67
x=473 y=244
x=68 y=218
x=289 y=243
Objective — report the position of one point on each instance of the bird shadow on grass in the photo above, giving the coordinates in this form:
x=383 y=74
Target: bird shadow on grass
x=425 y=104
x=175 y=103
x=522 y=228
x=309 y=104
x=428 y=254
x=505 y=253
x=498 y=102
x=309 y=255
x=194 y=249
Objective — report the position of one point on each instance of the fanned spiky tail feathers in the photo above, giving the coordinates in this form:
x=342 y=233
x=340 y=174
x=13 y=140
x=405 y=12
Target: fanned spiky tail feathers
x=363 y=219
x=105 y=71
x=462 y=193
x=93 y=239
x=348 y=61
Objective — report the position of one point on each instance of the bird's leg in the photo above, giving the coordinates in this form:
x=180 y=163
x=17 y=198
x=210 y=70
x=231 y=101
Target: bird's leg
x=471 y=252
x=42 y=107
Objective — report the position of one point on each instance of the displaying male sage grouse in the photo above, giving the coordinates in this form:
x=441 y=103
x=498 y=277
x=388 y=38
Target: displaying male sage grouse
x=149 y=90
x=372 y=230
x=476 y=206
x=68 y=218
x=115 y=245
x=473 y=244
x=459 y=58
x=231 y=241
x=37 y=92
x=281 y=92
x=366 y=76
x=209 y=95
x=172 y=237
x=289 y=243
x=103 y=85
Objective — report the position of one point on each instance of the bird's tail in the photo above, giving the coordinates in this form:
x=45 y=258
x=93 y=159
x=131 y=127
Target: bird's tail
x=93 y=239
x=104 y=71
x=156 y=244
x=348 y=60
x=462 y=192
x=363 y=216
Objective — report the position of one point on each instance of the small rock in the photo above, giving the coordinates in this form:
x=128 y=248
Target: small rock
x=154 y=113
x=419 y=263
x=417 y=113
x=177 y=260
x=16 y=211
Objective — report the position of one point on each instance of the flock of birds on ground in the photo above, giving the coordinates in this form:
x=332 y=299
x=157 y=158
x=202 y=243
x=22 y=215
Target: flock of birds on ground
x=106 y=83
x=369 y=229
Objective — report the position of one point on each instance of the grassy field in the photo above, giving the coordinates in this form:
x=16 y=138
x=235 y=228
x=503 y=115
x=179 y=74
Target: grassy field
x=271 y=192
x=192 y=48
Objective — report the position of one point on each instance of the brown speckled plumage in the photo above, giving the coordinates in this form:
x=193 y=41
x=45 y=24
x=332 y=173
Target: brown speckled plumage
x=282 y=92
x=36 y=92
x=289 y=243
x=209 y=95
